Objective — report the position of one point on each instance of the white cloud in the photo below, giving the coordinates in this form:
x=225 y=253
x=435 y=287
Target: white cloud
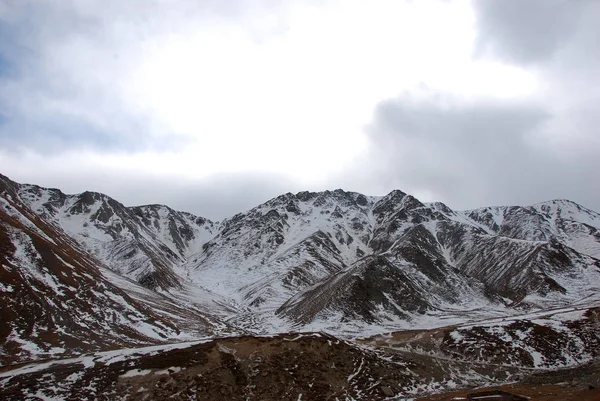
x=250 y=88
x=191 y=91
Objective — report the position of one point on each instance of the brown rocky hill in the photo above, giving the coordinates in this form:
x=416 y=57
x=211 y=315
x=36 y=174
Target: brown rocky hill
x=59 y=300
x=318 y=366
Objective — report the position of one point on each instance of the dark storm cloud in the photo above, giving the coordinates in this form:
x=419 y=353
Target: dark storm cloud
x=477 y=154
x=525 y=31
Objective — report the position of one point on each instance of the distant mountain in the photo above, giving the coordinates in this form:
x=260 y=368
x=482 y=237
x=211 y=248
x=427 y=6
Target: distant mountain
x=333 y=260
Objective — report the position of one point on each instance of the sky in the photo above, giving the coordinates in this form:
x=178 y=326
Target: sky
x=213 y=107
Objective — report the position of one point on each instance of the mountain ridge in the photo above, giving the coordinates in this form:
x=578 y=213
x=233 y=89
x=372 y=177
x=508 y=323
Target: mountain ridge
x=304 y=194
x=332 y=260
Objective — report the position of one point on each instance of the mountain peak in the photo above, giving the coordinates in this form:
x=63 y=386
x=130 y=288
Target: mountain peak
x=562 y=203
x=330 y=259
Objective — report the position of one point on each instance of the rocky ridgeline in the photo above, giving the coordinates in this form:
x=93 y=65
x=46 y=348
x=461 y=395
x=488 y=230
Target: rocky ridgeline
x=336 y=260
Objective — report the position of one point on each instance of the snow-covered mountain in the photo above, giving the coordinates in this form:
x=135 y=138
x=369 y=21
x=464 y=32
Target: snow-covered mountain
x=335 y=257
x=334 y=260
x=144 y=243
x=559 y=220
x=58 y=299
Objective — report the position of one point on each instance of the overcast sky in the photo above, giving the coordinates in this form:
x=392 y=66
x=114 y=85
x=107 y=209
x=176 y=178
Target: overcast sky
x=216 y=106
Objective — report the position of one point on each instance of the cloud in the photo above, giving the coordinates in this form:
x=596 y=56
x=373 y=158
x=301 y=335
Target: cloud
x=525 y=31
x=471 y=151
x=471 y=154
x=159 y=76
x=66 y=69
x=62 y=79
x=224 y=195
x=216 y=196
x=186 y=94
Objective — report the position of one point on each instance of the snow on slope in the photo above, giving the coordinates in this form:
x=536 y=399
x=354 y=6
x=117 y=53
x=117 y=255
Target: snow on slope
x=263 y=256
x=340 y=260
x=562 y=338
x=59 y=300
x=145 y=243
x=299 y=366
x=430 y=259
x=562 y=220
x=182 y=232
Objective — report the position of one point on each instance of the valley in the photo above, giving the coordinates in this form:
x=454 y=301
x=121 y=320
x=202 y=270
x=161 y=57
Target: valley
x=314 y=295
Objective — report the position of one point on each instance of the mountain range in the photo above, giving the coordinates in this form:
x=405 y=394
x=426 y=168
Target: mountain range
x=82 y=273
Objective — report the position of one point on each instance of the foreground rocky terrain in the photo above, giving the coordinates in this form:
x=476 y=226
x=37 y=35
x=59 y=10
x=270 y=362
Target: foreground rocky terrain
x=402 y=297
x=573 y=385
x=559 y=348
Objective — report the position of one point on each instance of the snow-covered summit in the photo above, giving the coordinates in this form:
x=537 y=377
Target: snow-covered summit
x=333 y=258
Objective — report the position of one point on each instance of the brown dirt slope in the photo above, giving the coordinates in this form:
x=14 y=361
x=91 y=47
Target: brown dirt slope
x=54 y=297
x=285 y=367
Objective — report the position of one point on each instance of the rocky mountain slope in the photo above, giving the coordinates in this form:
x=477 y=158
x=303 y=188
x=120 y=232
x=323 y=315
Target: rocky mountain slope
x=59 y=300
x=143 y=243
x=332 y=260
x=324 y=259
